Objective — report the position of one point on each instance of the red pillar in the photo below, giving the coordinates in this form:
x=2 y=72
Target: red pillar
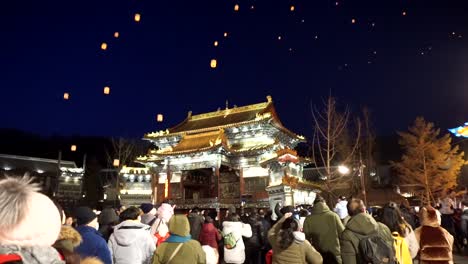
x=241 y=182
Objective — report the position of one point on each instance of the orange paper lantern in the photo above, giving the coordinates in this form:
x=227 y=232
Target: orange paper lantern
x=66 y=96
x=137 y=17
x=116 y=34
x=73 y=148
x=159 y=117
x=215 y=43
x=213 y=63
x=236 y=8
x=104 y=46
x=116 y=163
x=292 y=8
x=106 y=90
x=225 y=34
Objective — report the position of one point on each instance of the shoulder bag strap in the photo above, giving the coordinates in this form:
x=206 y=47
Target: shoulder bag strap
x=175 y=252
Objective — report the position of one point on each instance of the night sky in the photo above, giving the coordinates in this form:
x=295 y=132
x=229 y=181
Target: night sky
x=399 y=58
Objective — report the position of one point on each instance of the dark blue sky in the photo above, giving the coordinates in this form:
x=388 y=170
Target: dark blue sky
x=161 y=65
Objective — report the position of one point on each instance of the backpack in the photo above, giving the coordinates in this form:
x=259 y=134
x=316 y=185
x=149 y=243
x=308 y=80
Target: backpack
x=402 y=252
x=373 y=249
x=229 y=240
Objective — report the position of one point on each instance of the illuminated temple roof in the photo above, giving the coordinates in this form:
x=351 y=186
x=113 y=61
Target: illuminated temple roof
x=210 y=131
x=230 y=117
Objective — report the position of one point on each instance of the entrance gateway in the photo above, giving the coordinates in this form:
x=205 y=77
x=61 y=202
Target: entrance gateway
x=231 y=157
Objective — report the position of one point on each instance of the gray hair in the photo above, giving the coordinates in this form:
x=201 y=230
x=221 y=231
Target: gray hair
x=14 y=198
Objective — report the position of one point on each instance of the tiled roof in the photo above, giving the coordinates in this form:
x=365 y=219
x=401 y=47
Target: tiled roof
x=198 y=142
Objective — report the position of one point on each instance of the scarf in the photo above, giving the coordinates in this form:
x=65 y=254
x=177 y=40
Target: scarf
x=178 y=239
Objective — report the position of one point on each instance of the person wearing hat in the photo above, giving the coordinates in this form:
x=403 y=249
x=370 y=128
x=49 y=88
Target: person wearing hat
x=93 y=244
x=149 y=214
x=29 y=224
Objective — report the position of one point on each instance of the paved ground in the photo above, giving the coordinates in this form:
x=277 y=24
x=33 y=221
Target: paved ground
x=460 y=259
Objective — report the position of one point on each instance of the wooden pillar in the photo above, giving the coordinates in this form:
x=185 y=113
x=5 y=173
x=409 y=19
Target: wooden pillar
x=218 y=191
x=154 y=186
x=182 y=190
x=168 y=179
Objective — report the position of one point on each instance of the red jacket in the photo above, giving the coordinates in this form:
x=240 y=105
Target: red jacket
x=209 y=235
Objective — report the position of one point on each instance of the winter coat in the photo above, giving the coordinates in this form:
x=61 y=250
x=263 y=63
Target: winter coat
x=239 y=230
x=413 y=244
x=159 y=227
x=196 y=222
x=212 y=255
x=32 y=255
x=300 y=251
x=68 y=239
x=433 y=238
x=107 y=219
x=464 y=223
x=408 y=216
x=131 y=242
x=190 y=252
x=93 y=244
x=341 y=209
x=323 y=228
x=266 y=225
x=209 y=235
x=256 y=240
x=358 y=227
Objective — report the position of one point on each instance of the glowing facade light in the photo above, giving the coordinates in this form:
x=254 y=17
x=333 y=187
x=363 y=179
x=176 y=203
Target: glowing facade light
x=213 y=63
x=343 y=169
x=104 y=46
x=116 y=163
x=461 y=131
x=106 y=90
x=116 y=34
x=66 y=96
x=236 y=8
x=159 y=117
x=40 y=171
x=166 y=188
x=137 y=17
x=73 y=148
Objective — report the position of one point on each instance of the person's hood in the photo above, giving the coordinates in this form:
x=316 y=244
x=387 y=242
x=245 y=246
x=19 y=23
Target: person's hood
x=125 y=233
x=363 y=224
x=207 y=227
x=299 y=237
x=319 y=208
x=179 y=225
x=165 y=212
x=341 y=209
x=108 y=216
x=232 y=225
x=91 y=260
x=33 y=254
x=68 y=239
x=192 y=215
x=430 y=217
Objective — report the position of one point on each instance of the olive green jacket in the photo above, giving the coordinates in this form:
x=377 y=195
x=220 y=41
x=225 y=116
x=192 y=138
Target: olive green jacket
x=358 y=227
x=323 y=228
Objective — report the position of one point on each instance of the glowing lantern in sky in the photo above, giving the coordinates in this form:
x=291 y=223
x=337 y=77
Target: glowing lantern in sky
x=137 y=17
x=225 y=34
x=213 y=63
x=461 y=131
x=236 y=7
x=292 y=8
x=73 y=148
x=116 y=163
x=215 y=43
x=106 y=90
x=279 y=37
x=66 y=96
x=116 y=34
x=404 y=13
x=353 y=21
x=159 y=117
x=104 y=46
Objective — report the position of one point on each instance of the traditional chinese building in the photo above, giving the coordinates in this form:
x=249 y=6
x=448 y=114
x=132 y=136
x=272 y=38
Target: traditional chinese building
x=227 y=157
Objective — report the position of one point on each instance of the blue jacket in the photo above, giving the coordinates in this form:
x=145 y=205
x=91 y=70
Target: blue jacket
x=93 y=245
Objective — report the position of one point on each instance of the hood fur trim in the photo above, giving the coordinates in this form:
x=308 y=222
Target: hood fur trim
x=69 y=233
x=430 y=216
x=91 y=261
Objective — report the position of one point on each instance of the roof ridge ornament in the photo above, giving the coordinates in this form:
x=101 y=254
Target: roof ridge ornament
x=189 y=114
x=269 y=99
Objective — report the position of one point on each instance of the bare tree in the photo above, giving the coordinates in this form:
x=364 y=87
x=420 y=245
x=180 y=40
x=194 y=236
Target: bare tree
x=333 y=144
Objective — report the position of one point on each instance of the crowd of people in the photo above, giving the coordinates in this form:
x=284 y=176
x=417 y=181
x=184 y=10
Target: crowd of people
x=34 y=229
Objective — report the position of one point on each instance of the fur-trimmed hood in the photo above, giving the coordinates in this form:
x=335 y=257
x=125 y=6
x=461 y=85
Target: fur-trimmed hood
x=69 y=233
x=430 y=217
x=91 y=261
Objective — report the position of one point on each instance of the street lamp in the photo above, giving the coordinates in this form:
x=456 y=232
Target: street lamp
x=343 y=170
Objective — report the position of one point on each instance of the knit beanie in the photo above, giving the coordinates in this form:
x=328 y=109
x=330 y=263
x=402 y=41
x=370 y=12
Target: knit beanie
x=165 y=212
x=84 y=215
x=146 y=207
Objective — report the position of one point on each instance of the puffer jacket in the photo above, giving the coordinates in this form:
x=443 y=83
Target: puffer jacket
x=209 y=235
x=358 y=227
x=196 y=222
x=239 y=230
x=435 y=242
x=190 y=252
x=300 y=251
x=323 y=228
x=131 y=242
